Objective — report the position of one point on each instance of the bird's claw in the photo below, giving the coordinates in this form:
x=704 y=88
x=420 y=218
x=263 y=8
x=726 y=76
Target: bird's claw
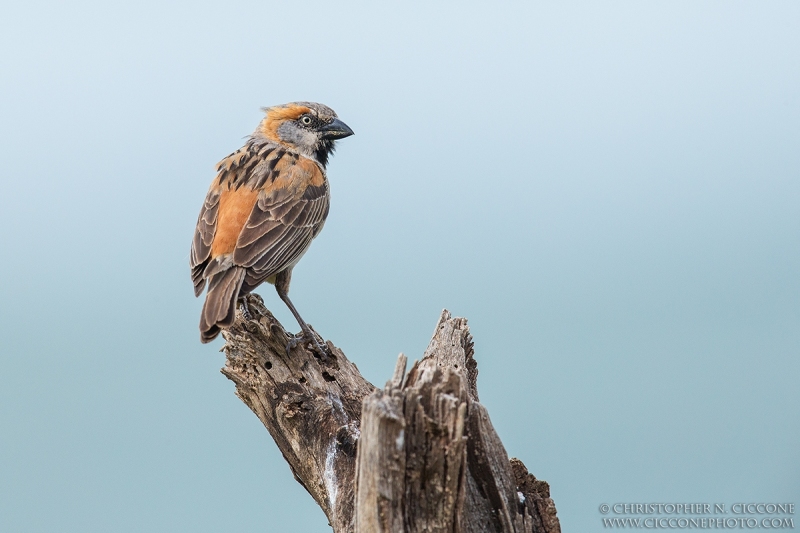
x=320 y=347
x=294 y=340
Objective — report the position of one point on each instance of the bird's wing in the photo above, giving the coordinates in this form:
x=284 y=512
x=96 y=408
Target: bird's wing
x=203 y=237
x=251 y=163
x=290 y=211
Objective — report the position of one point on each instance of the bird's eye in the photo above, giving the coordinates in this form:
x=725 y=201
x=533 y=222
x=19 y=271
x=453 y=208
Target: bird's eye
x=305 y=120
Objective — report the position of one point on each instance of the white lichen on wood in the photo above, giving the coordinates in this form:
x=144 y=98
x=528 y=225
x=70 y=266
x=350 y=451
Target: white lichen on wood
x=330 y=476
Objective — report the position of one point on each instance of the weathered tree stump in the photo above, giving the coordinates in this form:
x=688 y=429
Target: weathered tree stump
x=420 y=455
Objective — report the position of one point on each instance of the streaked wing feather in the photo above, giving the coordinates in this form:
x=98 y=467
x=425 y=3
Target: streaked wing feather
x=280 y=228
x=203 y=237
x=206 y=228
x=284 y=253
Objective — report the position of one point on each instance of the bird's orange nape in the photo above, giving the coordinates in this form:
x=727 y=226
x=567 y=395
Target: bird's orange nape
x=276 y=116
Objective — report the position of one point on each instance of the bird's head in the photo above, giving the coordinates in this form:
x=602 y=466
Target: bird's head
x=307 y=127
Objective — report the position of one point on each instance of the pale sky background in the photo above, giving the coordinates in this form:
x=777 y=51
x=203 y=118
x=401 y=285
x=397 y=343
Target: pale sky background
x=609 y=191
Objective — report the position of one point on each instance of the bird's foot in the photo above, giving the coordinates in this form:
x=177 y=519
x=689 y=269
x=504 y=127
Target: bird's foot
x=245 y=308
x=308 y=336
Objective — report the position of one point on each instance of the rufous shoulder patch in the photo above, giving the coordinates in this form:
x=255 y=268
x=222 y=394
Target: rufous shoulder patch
x=234 y=210
x=296 y=174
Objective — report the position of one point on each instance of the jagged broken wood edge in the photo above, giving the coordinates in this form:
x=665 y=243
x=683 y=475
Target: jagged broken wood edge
x=312 y=408
x=429 y=458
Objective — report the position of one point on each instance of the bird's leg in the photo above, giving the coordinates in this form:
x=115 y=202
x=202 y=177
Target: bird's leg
x=282 y=286
x=245 y=308
x=306 y=334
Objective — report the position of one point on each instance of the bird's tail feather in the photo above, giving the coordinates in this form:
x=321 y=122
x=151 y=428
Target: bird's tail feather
x=219 y=310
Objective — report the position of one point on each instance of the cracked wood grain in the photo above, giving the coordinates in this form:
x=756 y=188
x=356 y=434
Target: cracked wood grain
x=419 y=455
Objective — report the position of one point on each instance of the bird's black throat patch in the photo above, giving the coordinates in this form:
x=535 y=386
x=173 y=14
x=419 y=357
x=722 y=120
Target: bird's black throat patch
x=325 y=148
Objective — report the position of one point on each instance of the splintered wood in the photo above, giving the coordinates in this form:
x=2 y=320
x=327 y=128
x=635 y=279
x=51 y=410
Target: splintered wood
x=420 y=455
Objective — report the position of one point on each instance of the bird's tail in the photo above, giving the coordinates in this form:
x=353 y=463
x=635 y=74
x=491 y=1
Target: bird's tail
x=219 y=310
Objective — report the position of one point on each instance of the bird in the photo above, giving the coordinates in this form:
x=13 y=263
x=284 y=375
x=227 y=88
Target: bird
x=268 y=201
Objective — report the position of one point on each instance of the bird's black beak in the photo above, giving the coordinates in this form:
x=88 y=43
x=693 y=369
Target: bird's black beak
x=335 y=130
